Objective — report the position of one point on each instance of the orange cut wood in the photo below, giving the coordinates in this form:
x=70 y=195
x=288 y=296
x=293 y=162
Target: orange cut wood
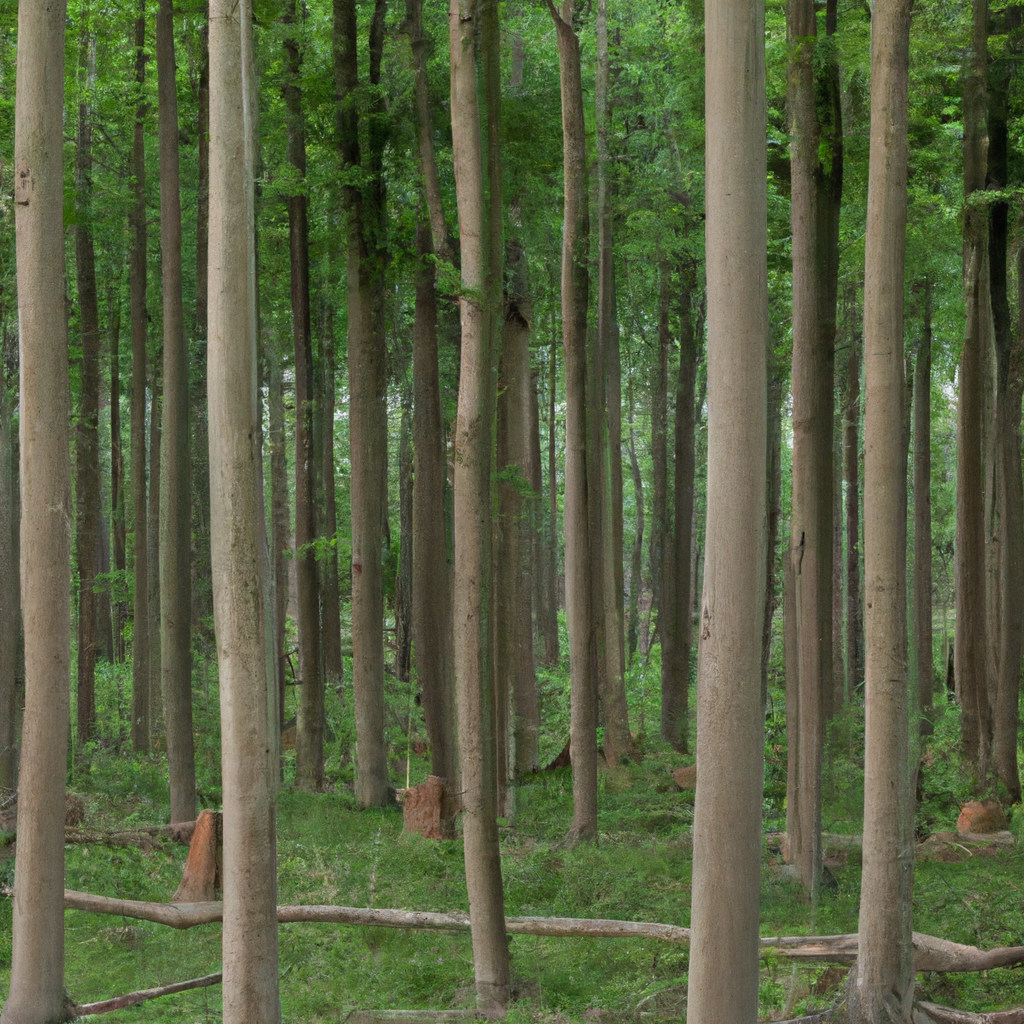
x=982 y=816
x=201 y=878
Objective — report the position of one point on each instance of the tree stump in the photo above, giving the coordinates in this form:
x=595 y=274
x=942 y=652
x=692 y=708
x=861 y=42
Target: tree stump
x=428 y=809
x=201 y=878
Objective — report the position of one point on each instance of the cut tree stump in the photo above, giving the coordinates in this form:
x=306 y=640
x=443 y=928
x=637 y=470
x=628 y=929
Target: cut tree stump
x=201 y=878
x=427 y=809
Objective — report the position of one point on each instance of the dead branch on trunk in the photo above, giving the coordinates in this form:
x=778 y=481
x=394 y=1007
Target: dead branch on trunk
x=930 y=953
x=131 y=998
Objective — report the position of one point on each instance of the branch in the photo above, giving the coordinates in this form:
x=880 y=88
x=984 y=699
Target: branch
x=131 y=998
x=932 y=1014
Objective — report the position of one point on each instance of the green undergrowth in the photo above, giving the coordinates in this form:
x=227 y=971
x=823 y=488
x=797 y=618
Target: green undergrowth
x=331 y=853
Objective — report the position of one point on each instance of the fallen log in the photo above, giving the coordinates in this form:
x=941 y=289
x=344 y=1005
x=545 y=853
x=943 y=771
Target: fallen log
x=930 y=1013
x=131 y=998
x=930 y=953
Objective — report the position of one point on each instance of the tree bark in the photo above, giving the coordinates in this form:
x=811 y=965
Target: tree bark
x=883 y=984
x=175 y=490
x=851 y=478
x=579 y=584
x=87 y=480
x=472 y=625
x=367 y=412
x=730 y=732
x=970 y=632
x=250 y=939
x=9 y=589
x=36 y=994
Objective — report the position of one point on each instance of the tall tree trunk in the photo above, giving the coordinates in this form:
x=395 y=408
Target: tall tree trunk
x=636 y=579
x=552 y=655
x=730 y=731
x=117 y=517
x=280 y=519
x=659 y=444
x=175 y=492
x=606 y=402
x=141 y=704
x=309 y=733
x=472 y=626
x=367 y=412
x=969 y=642
x=881 y=988
x=202 y=591
x=403 y=583
x=776 y=386
x=330 y=599
x=1009 y=355
x=87 y=454
x=539 y=562
x=247 y=715
x=851 y=479
x=676 y=631
x=156 y=695
x=431 y=616
x=36 y=994
x=811 y=523
x=579 y=583
x=923 y=510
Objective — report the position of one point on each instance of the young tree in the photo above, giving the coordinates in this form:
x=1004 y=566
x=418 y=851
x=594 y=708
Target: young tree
x=175 y=492
x=851 y=476
x=248 y=713
x=730 y=732
x=472 y=619
x=923 y=509
x=9 y=582
x=881 y=987
x=36 y=994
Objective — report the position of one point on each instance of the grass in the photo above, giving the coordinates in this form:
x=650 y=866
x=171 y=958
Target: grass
x=329 y=852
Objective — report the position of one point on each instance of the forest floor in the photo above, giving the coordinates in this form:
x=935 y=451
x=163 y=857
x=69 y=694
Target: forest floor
x=331 y=853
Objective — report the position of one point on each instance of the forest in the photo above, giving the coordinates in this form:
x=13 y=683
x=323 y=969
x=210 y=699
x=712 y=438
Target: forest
x=590 y=429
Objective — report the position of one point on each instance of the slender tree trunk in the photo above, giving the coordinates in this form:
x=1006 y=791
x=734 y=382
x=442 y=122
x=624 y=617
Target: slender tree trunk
x=117 y=519
x=87 y=480
x=36 y=994
x=175 y=492
x=472 y=626
x=969 y=641
x=636 y=579
x=539 y=561
x=552 y=655
x=309 y=734
x=881 y=988
x=141 y=705
x=676 y=632
x=730 y=733
x=851 y=478
x=607 y=402
x=367 y=412
x=250 y=873
x=659 y=444
x=431 y=617
x=202 y=591
x=153 y=544
x=776 y=386
x=579 y=584
x=330 y=599
x=280 y=519
x=923 y=510
x=1009 y=356
x=403 y=583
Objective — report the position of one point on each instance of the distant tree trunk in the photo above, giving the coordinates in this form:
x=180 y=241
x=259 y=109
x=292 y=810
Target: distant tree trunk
x=117 y=519
x=175 y=492
x=659 y=443
x=723 y=980
x=9 y=587
x=403 y=583
x=970 y=636
x=851 y=478
x=367 y=411
x=1009 y=384
x=431 y=616
x=881 y=987
x=607 y=403
x=676 y=632
x=636 y=579
x=539 y=559
x=309 y=734
x=87 y=453
x=472 y=626
x=153 y=542
x=36 y=994
x=579 y=584
x=776 y=385
x=552 y=656
x=330 y=600
x=141 y=705
x=923 y=510
x=247 y=715
x=202 y=592
x=280 y=518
